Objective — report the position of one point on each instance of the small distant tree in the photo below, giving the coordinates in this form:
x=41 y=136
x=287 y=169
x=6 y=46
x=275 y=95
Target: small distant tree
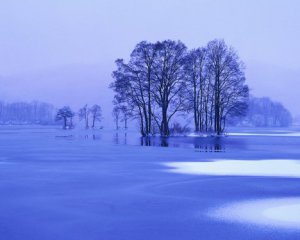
x=84 y=115
x=96 y=113
x=64 y=114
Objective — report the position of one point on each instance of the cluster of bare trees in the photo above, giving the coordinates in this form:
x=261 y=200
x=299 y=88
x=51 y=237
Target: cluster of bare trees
x=164 y=79
x=26 y=113
x=93 y=113
x=86 y=114
x=263 y=112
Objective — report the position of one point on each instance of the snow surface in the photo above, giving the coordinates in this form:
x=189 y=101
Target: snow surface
x=264 y=168
x=273 y=212
x=281 y=212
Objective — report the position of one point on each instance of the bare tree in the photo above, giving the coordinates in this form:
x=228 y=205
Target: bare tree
x=230 y=91
x=197 y=87
x=84 y=115
x=142 y=61
x=133 y=83
x=64 y=114
x=116 y=114
x=169 y=84
x=129 y=90
x=96 y=113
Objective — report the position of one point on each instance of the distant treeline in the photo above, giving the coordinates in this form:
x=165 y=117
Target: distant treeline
x=42 y=113
x=164 y=80
x=27 y=113
x=263 y=112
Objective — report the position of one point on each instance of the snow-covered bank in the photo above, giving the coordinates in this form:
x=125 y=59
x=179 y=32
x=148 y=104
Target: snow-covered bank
x=266 y=168
x=265 y=132
x=193 y=134
x=281 y=212
x=283 y=134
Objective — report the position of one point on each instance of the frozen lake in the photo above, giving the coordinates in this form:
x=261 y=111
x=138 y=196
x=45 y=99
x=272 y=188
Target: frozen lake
x=69 y=185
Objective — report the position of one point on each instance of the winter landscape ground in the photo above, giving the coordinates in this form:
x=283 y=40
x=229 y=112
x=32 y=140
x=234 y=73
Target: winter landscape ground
x=76 y=184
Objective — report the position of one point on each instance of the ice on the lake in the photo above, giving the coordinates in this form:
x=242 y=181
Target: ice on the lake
x=267 y=168
x=274 y=212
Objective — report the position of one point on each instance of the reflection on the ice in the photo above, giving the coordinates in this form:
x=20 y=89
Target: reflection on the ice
x=200 y=144
x=92 y=137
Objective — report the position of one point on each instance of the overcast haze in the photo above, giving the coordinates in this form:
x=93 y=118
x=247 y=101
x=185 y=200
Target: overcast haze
x=63 y=51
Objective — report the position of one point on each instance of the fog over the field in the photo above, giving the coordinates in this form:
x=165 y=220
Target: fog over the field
x=63 y=51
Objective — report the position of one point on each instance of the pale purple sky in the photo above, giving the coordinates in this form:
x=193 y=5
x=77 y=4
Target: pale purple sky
x=63 y=51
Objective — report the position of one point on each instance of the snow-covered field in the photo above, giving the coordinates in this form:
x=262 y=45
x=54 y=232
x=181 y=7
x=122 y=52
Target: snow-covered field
x=68 y=185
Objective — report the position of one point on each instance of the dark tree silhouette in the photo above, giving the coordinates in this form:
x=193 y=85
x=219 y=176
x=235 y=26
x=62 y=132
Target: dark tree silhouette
x=96 y=113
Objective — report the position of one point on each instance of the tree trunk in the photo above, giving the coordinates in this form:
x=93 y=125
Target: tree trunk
x=86 y=122
x=146 y=120
x=149 y=104
x=165 y=125
x=117 y=122
x=93 y=124
x=141 y=123
x=65 y=122
x=196 y=117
